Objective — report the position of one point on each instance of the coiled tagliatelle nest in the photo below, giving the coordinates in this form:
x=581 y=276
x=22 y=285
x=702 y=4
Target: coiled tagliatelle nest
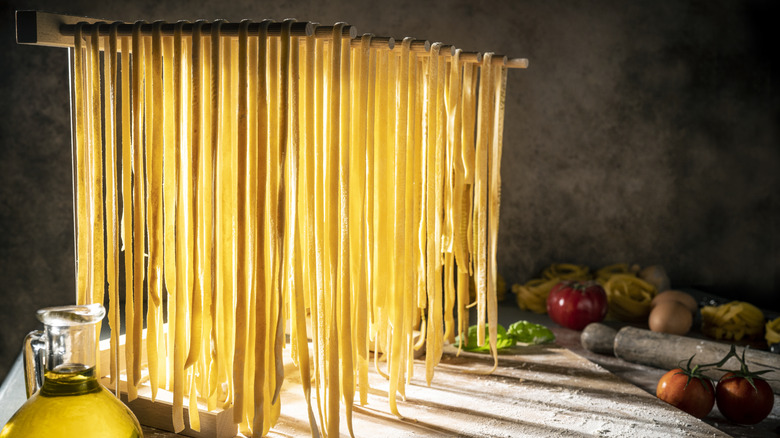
x=732 y=321
x=629 y=297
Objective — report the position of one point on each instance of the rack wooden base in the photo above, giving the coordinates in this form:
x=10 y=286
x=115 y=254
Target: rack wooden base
x=157 y=413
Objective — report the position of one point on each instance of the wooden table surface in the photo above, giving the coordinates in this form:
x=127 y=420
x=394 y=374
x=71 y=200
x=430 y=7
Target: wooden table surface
x=551 y=390
x=536 y=391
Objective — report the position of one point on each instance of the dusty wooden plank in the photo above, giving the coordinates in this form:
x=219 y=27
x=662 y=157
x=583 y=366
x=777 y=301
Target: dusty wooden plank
x=536 y=391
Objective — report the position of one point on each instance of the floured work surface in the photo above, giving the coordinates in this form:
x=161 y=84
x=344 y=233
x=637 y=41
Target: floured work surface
x=536 y=391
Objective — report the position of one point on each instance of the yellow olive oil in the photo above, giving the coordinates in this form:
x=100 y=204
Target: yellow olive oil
x=72 y=403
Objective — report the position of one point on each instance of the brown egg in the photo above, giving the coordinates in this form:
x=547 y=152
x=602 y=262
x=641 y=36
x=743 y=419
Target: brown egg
x=670 y=316
x=675 y=295
x=655 y=275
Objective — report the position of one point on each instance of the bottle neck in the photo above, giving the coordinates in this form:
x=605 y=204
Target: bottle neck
x=70 y=349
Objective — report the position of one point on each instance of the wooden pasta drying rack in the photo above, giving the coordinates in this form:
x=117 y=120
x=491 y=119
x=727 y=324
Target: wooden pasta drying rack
x=40 y=28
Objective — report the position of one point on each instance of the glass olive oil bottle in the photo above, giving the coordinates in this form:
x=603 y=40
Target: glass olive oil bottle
x=67 y=400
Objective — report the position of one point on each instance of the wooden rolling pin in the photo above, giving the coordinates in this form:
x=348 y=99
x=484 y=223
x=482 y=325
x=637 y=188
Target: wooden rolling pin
x=667 y=351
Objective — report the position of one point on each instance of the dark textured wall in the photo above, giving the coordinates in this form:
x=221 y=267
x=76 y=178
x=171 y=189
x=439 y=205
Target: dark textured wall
x=643 y=131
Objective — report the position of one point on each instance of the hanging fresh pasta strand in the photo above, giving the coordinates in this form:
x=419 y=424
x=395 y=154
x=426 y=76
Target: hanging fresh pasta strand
x=430 y=208
x=377 y=74
x=420 y=140
x=468 y=146
x=179 y=302
x=309 y=199
x=273 y=247
x=212 y=231
x=454 y=194
x=343 y=287
x=242 y=268
x=96 y=152
x=225 y=219
x=136 y=242
x=154 y=149
x=318 y=298
x=80 y=151
x=383 y=195
x=480 y=194
x=195 y=255
x=126 y=225
x=260 y=423
x=252 y=226
x=334 y=232
x=112 y=120
x=169 y=204
x=196 y=280
x=458 y=192
x=397 y=308
x=417 y=290
x=355 y=206
x=498 y=90
x=204 y=242
x=437 y=260
x=283 y=220
x=138 y=201
x=299 y=151
x=360 y=178
x=465 y=229
x=411 y=262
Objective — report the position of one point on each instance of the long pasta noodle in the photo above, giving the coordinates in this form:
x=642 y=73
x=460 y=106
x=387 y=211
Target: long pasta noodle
x=432 y=156
x=97 y=261
x=242 y=247
x=307 y=217
x=359 y=180
x=211 y=228
x=179 y=339
x=81 y=176
x=332 y=233
x=196 y=289
x=261 y=422
x=169 y=203
x=112 y=119
x=480 y=196
x=343 y=289
x=498 y=87
x=284 y=220
x=127 y=212
x=397 y=311
x=154 y=145
x=138 y=200
x=318 y=299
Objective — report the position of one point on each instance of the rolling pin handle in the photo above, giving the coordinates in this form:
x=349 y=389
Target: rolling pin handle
x=599 y=338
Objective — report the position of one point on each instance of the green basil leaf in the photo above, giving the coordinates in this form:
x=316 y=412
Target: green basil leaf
x=503 y=340
x=530 y=333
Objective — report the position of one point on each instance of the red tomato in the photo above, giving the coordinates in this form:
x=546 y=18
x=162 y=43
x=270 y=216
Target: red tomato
x=575 y=305
x=694 y=395
x=740 y=402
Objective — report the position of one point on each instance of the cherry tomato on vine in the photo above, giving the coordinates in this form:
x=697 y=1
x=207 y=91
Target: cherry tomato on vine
x=743 y=402
x=687 y=390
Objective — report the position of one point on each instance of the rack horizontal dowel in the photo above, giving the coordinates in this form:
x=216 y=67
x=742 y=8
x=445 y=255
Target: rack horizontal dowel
x=57 y=30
